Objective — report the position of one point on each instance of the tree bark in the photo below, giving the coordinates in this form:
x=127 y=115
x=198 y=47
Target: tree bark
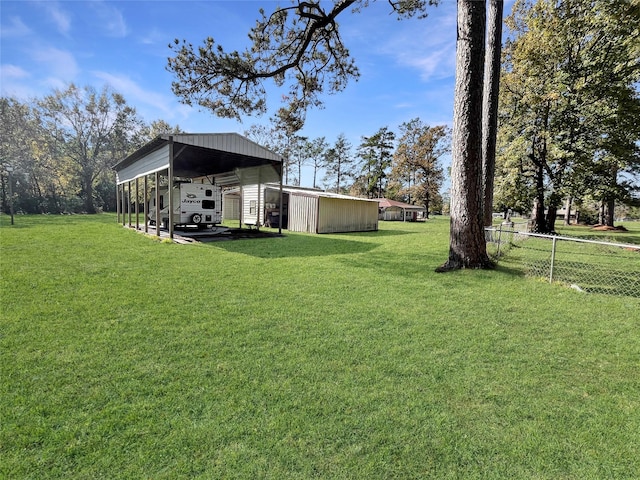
x=490 y=105
x=87 y=193
x=567 y=215
x=610 y=216
x=467 y=246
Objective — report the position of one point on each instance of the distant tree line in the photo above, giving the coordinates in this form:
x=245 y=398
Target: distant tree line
x=407 y=168
x=60 y=149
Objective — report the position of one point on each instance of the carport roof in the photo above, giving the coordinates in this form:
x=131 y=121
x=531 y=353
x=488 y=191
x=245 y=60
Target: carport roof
x=229 y=157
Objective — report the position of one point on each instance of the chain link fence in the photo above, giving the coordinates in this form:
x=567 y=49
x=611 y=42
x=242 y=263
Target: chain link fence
x=592 y=266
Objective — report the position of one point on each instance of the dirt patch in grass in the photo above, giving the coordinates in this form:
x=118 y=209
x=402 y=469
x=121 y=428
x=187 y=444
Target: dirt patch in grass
x=607 y=228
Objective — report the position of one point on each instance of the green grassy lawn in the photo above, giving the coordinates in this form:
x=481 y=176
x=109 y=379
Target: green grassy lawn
x=612 y=267
x=305 y=356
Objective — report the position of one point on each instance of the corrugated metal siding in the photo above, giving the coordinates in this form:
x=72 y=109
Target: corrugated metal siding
x=231 y=207
x=303 y=213
x=155 y=161
x=341 y=215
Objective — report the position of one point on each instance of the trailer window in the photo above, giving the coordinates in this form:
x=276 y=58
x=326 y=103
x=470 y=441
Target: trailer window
x=208 y=204
x=252 y=207
x=208 y=193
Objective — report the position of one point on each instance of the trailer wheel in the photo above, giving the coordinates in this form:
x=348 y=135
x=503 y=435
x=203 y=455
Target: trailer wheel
x=196 y=218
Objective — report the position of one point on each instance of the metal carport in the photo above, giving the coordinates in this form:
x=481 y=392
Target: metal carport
x=229 y=158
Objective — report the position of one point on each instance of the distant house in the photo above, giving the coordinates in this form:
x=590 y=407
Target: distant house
x=391 y=210
x=303 y=209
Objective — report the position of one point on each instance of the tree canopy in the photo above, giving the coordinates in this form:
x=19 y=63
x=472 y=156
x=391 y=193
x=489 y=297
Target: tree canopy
x=62 y=147
x=569 y=105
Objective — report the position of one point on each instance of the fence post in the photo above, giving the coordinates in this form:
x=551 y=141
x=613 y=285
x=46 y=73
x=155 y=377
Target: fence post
x=499 y=240
x=553 y=258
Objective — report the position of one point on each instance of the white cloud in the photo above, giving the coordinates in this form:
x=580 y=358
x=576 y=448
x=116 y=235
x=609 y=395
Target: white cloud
x=57 y=63
x=16 y=28
x=59 y=17
x=135 y=94
x=154 y=37
x=428 y=46
x=110 y=19
x=9 y=71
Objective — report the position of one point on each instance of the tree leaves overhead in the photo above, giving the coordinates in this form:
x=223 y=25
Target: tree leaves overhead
x=298 y=46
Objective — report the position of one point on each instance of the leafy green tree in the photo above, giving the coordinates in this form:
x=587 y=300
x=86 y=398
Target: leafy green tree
x=42 y=182
x=376 y=153
x=315 y=152
x=91 y=129
x=417 y=161
x=338 y=160
x=158 y=127
x=569 y=77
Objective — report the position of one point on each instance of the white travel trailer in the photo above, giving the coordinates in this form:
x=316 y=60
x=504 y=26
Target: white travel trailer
x=194 y=204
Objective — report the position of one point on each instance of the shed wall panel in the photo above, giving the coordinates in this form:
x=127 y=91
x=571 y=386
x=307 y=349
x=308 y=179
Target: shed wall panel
x=341 y=215
x=303 y=213
x=231 y=208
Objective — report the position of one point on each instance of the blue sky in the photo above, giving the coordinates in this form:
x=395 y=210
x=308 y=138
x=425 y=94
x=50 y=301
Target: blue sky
x=407 y=67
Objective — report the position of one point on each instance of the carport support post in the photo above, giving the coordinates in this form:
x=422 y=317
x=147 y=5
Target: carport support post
x=157 y=204
x=281 y=207
x=118 y=201
x=124 y=214
x=241 y=209
x=259 y=211
x=145 y=207
x=129 y=201
x=171 y=187
x=137 y=207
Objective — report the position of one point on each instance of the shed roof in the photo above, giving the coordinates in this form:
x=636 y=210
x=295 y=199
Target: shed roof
x=386 y=203
x=228 y=157
x=314 y=192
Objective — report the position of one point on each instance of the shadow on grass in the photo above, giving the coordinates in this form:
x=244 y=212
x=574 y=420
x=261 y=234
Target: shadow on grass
x=378 y=233
x=296 y=246
x=515 y=272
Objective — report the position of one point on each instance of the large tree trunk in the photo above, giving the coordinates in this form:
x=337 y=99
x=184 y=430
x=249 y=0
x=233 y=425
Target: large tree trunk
x=538 y=220
x=567 y=215
x=467 y=246
x=87 y=192
x=490 y=105
x=610 y=215
x=552 y=213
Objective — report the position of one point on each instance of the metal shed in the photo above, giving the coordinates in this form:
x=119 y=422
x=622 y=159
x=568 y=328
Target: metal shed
x=225 y=159
x=304 y=210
